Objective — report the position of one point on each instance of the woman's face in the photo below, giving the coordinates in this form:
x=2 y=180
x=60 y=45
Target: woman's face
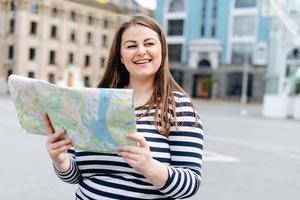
x=141 y=52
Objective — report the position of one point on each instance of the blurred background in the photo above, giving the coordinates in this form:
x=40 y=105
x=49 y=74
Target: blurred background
x=238 y=59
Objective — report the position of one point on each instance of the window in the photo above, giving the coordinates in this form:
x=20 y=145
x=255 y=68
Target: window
x=34 y=8
x=12 y=7
x=11 y=52
x=31 y=74
x=203 y=18
x=88 y=38
x=51 y=78
x=245 y=3
x=213 y=30
x=105 y=23
x=11 y=26
x=31 y=53
x=234 y=84
x=175 y=52
x=53 y=31
x=102 y=62
x=33 y=28
x=87 y=61
x=104 y=41
x=72 y=35
x=297 y=88
x=9 y=72
x=71 y=58
x=240 y=52
x=52 y=57
x=178 y=76
x=202 y=30
x=294 y=54
x=244 y=26
x=90 y=20
x=176 y=6
x=175 y=27
x=73 y=16
x=54 y=12
x=87 y=81
x=214 y=19
x=203 y=63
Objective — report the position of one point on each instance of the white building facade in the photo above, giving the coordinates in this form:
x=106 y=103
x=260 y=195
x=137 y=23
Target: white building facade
x=282 y=97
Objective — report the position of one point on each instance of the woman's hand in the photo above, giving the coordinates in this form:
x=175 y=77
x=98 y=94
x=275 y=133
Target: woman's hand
x=140 y=158
x=57 y=147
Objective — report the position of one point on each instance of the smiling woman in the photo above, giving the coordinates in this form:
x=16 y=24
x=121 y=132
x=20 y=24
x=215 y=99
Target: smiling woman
x=167 y=162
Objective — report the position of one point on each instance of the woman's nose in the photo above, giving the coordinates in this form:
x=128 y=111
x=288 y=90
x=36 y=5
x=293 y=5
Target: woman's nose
x=141 y=50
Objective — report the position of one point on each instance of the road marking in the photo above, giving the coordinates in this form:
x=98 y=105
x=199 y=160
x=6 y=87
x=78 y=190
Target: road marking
x=290 y=152
x=211 y=156
x=286 y=151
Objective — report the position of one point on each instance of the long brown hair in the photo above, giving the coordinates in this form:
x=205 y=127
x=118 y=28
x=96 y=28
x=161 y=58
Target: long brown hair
x=117 y=76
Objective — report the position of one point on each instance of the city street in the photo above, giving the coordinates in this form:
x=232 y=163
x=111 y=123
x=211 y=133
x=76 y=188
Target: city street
x=247 y=157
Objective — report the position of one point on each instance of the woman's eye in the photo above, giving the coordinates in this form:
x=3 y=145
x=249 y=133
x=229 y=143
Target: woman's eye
x=131 y=46
x=149 y=44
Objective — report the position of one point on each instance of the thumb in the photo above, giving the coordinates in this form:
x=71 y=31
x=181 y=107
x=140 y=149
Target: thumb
x=48 y=124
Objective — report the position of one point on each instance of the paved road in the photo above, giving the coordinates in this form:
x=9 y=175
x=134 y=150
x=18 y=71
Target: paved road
x=246 y=157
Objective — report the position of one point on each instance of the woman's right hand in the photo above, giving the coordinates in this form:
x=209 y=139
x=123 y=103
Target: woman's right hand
x=57 y=147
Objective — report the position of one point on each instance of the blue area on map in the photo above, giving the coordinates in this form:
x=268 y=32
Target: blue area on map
x=99 y=126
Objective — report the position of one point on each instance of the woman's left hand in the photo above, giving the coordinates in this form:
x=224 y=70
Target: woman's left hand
x=139 y=158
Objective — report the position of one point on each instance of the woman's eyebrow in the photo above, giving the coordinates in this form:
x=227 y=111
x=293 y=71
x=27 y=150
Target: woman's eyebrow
x=149 y=39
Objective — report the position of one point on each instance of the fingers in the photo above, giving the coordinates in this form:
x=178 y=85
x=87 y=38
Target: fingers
x=56 y=136
x=48 y=124
x=59 y=144
x=131 y=149
x=55 y=149
x=138 y=138
x=129 y=156
x=135 y=155
x=63 y=149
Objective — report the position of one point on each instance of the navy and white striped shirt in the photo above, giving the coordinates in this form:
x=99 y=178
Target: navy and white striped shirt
x=106 y=176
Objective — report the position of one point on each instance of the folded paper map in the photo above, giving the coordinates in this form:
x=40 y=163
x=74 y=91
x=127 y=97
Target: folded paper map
x=96 y=119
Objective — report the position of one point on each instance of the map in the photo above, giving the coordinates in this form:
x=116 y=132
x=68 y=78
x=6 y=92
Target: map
x=96 y=119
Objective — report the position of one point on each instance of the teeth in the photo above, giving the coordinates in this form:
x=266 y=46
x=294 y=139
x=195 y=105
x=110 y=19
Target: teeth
x=142 y=61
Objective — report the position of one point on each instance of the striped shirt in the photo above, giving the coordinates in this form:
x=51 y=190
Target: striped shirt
x=107 y=176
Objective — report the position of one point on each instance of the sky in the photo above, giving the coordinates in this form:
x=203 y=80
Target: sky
x=150 y=4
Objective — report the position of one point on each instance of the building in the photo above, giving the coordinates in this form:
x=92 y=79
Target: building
x=282 y=96
x=44 y=39
x=212 y=43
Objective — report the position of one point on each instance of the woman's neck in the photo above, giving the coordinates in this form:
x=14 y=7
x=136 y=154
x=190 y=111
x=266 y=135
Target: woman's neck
x=142 y=91
x=140 y=88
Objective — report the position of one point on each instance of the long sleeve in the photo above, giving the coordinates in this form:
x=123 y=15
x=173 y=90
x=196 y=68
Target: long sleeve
x=186 y=149
x=72 y=175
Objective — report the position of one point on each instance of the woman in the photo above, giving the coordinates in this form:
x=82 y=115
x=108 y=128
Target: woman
x=166 y=164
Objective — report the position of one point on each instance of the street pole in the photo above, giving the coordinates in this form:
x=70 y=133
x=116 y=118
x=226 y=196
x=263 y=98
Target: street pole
x=244 y=95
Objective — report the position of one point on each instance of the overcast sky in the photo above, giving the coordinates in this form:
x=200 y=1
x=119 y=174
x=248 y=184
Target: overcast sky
x=151 y=4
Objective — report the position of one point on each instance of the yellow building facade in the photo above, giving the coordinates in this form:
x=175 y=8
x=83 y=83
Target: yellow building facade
x=45 y=38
